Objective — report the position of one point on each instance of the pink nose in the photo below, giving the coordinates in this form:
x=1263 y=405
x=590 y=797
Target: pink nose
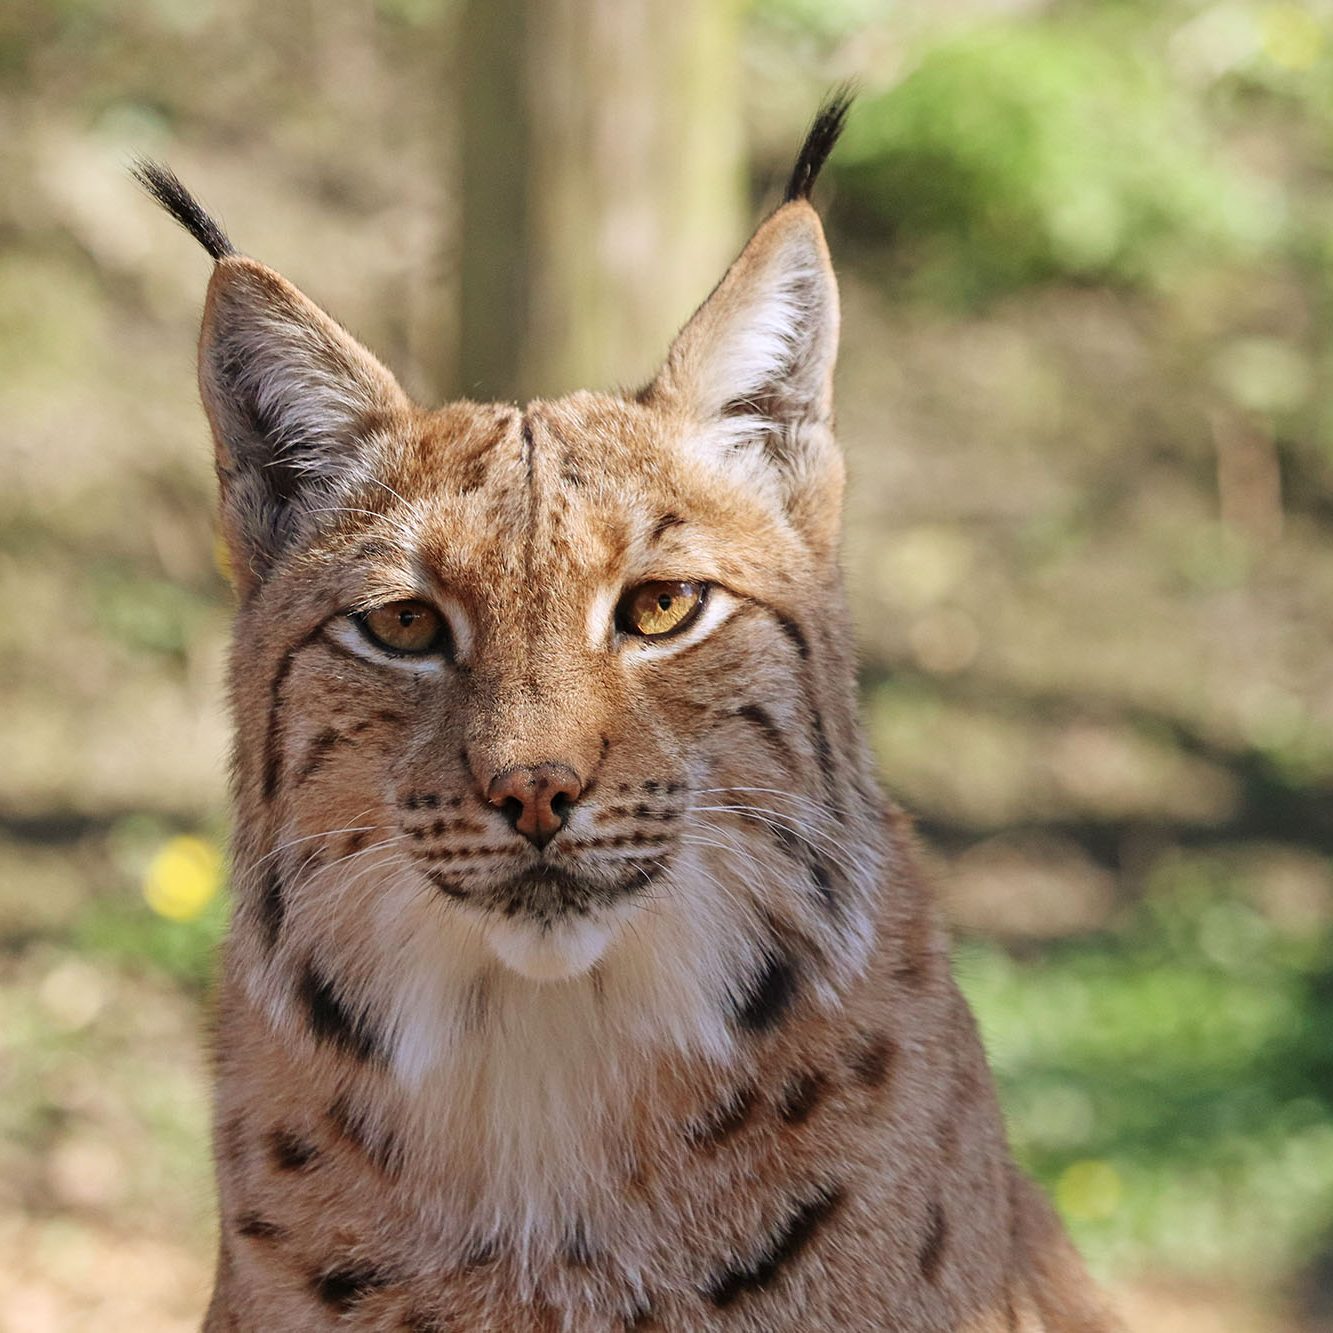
x=536 y=801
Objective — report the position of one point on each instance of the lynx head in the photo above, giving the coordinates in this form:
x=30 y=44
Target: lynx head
x=552 y=694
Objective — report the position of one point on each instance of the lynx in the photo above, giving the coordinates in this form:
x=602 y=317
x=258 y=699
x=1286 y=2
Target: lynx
x=579 y=977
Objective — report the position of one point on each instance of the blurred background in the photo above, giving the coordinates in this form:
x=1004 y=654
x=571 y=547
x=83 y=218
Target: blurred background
x=1087 y=396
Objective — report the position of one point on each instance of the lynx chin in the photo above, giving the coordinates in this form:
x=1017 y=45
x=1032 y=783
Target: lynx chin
x=580 y=977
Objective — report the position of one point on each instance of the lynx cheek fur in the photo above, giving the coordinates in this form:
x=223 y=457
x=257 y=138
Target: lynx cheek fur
x=579 y=978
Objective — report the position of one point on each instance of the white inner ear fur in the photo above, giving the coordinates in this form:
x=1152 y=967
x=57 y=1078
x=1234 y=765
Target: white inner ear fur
x=312 y=384
x=773 y=332
x=754 y=366
x=289 y=373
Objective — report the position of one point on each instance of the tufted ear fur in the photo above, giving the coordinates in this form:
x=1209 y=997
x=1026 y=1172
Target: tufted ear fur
x=295 y=403
x=753 y=368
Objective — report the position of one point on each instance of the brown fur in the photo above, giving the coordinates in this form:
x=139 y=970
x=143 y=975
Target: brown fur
x=749 y=1096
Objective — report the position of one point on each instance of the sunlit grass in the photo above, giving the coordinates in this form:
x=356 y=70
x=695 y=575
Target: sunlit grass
x=1169 y=1083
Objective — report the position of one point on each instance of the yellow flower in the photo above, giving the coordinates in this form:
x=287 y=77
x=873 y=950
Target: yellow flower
x=182 y=878
x=1089 y=1191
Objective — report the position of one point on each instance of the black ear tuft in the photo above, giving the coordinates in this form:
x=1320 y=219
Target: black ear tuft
x=824 y=131
x=164 y=185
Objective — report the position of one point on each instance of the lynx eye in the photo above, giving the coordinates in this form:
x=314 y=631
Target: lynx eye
x=405 y=627
x=655 y=609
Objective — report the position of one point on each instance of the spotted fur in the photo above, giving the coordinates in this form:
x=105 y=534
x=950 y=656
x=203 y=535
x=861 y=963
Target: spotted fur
x=696 y=1063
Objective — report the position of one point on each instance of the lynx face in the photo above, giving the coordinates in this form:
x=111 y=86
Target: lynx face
x=530 y=686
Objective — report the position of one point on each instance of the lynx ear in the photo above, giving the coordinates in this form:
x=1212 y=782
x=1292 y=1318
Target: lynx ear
x=295 y=403
x=761 y=349
x=753 y=369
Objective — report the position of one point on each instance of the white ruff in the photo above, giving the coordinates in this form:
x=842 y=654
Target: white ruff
x=518 y=1092
x=560 y=953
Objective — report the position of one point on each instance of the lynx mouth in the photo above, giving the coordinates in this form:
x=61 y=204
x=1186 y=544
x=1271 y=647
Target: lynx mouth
x=547 y=890
x=550 y=924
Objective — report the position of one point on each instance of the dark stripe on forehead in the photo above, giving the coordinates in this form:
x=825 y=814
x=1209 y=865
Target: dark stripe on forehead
x=527 y=447
x=474 y=467
x=664 y=525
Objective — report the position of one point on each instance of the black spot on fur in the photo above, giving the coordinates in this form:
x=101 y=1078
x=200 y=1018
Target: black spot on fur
x=762 y=720
x=642 y=1318
x=734 y=1114
x=481 y=1255
x=777 y=1250
x=801 y=1096
x=821 y=875
x=447 y=884
x=872 y=1059
x=576 y=1251
x=272 y=905
x=321 y=747
x=231 y=1139
x=380 y=1146
x=342 y=1288
x=789 y=627
x=770 y=995
x=931 y=1253
x=254 y=1227
x=274 y=734
x=165 y=186
x=421 y=1321
x=289 y=1151
x=333 y=1023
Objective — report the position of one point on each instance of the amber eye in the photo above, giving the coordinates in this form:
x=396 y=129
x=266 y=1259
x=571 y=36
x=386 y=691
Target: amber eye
x=405 y=627
x=654 y=609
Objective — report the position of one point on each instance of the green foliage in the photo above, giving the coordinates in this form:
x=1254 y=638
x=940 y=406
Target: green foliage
x=125 y=932
x=1172 y=1086
x=1013 y=154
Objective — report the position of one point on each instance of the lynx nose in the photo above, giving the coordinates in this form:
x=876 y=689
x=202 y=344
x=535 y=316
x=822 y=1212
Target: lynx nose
x=536 y=801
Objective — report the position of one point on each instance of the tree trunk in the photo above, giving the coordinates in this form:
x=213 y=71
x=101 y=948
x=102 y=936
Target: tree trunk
x=602 y=185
